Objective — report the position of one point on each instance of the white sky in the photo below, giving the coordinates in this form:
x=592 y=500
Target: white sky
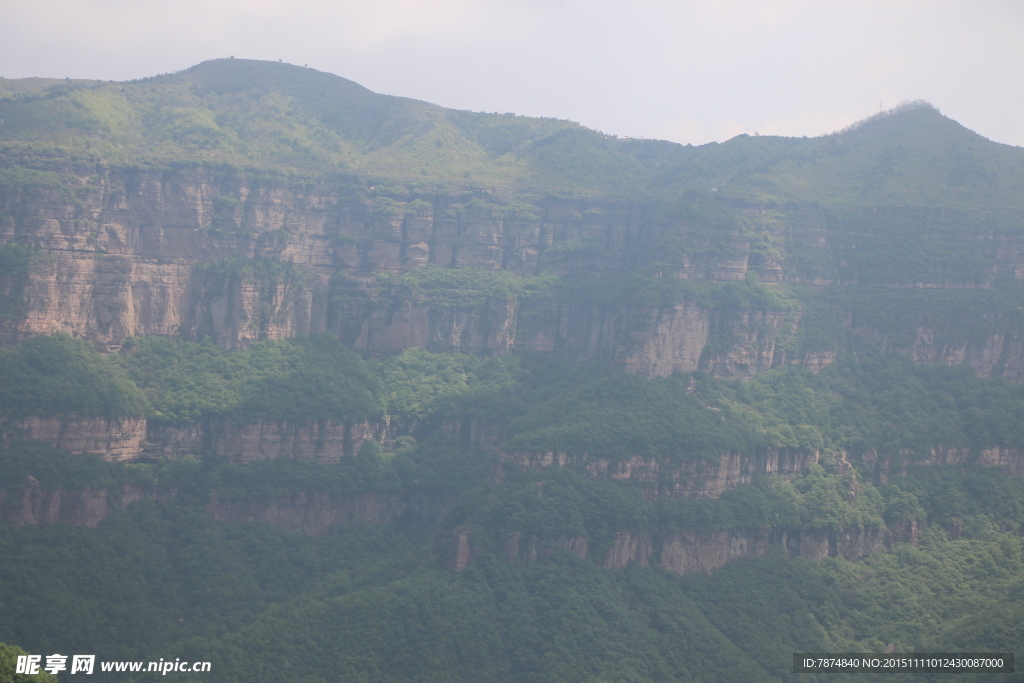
x=685 y=71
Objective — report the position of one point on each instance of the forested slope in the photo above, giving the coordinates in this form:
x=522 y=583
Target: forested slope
x=434 y=568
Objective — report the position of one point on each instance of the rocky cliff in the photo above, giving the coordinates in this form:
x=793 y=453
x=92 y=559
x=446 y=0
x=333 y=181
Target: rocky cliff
x=709 y=478
x=693 y=552
x=699 y=551
x=882 y=466
x=33 y=504
x=113 y=439
x=315 y=441
x=144 y=253
x=701 y=478
x=239 y=256
x=132 y=438
x=307 y=512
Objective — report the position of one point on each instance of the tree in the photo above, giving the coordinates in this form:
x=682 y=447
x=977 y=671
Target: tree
x=8 y=663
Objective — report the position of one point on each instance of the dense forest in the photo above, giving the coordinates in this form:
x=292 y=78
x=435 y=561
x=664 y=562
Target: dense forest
x=381 y=601
x=313 y=383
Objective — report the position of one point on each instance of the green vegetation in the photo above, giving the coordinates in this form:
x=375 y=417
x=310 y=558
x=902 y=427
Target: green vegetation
x=884 y=403
x=875 y=402
x=907 y=247
x=53 y=468
x=268 y=115
x=547 y=506
x=960 y=314
x=26 y=178
x=308 y=378
x=815 y=500
x=58 y=375
x=624 y=415
x=454 y=287
x=372 y=604
x=381 y=602
x=8 y=665
x=643 y=289
x=156 y=576
x=422 y=385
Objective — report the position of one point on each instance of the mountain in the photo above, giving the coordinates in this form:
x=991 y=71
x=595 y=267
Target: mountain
x=307 y=381
x=148 y=180
x=274 y=115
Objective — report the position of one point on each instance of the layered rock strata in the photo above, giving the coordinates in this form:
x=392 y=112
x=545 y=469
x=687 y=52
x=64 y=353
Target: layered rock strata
x=307 y=512
x=882 y=466
x=131 y=438
x=701 y=551
x=314 y=441
x=113 y=439
x=701 y=478
x=239 y=257
x=33 y=504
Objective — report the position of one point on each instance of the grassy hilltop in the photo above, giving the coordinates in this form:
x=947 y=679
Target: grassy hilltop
x=276 y=115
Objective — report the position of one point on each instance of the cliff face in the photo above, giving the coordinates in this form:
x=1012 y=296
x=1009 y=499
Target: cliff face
x=882 y=466
x=132 y=438
x=82 y=507
x=998 y=354
x=697 y=551
x=323 y=441
x=145 y=253
x=470 y=432
x=240 y=257
x=113 y=439
x=710 y=478
x=674 y=341
x=307 y=512
x=697 y=478
x=693 y=552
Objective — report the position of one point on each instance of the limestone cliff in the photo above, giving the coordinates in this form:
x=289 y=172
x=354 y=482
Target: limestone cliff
x=113 y=439
x=706 y=478
x=693 y=552
x=881 y=466
x=307 y=512
x=316 y=441
x=239 y=256
x=82 y=507
x=700 y=478
x=701 y=551
x=131 y=438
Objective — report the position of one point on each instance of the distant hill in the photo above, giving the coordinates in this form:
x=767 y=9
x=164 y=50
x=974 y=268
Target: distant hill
x=276 y=115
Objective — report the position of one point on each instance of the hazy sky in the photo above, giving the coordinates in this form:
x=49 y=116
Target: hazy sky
x=684 y=71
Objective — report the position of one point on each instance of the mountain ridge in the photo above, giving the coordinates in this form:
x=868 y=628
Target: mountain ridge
x=278 y=115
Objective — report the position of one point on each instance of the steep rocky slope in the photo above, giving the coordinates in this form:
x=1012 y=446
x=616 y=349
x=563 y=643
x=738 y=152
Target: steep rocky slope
x=239 y=257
